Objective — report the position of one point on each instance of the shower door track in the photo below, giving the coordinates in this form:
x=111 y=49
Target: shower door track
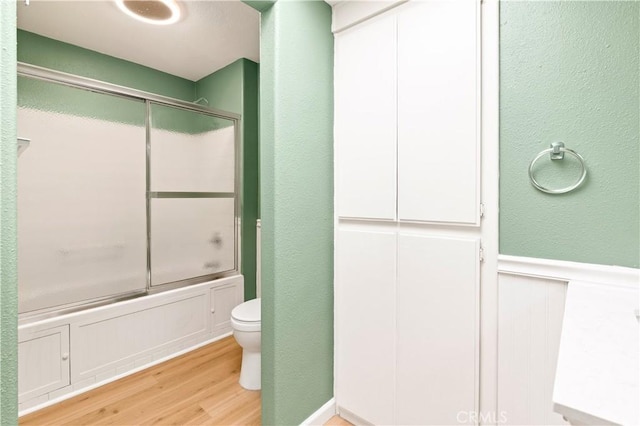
x=40 y=73
x=97 y=86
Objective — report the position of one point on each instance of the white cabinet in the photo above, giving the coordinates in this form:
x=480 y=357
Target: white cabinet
x=407 y=326
x=437 y=327
x=407 y=115
x=43 y=360
x=438 y=98
x=223 y=300
x=365 y=337
x=365 y=120
x=408 y=161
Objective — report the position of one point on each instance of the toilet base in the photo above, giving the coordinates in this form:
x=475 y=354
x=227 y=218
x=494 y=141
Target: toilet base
x=250 y=372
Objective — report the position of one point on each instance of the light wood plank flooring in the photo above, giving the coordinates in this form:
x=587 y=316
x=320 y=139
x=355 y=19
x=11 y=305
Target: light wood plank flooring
x=337 y=421
x=198 y=388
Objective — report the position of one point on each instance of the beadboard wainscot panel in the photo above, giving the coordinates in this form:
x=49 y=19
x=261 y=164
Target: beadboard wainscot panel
x=112 y=341
x=530 y=311
x=530 y=314
x=108 y=341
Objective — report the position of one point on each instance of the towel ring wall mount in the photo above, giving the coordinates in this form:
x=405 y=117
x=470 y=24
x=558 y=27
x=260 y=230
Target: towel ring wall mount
x=557 y=151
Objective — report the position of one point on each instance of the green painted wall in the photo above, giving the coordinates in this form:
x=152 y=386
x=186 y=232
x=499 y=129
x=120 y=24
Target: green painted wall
x=58 y=98
x=569 y=72
x=296 y=183
x=8 y=221
x=45 y=52
x=224 y=87
x=235 y=88
x=42 y=51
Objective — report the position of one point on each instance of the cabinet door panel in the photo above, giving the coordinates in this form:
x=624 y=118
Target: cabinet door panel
x=365 y=120
x=437 y=347
x=43 y=361
x=223 y=300
x=438 y=142
x=365 y=318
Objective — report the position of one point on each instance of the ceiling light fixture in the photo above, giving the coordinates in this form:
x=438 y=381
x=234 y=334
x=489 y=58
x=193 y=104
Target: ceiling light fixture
x=156 y=12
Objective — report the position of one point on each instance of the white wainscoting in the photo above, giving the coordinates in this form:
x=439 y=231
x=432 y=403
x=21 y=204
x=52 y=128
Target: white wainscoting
x=530 y=311
x=530 y=321
x=63 y=356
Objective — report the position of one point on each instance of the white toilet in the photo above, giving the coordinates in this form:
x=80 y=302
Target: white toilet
x=245 y=320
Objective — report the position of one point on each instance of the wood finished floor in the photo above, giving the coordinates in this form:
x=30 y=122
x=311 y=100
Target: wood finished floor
x=337 y=421
x=198 y=388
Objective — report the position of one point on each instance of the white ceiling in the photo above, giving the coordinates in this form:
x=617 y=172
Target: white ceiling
x=210 y=35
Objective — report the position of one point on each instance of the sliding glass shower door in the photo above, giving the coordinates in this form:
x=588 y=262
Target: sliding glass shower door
x=81 y=195
x=120 y=192
x=193 y=203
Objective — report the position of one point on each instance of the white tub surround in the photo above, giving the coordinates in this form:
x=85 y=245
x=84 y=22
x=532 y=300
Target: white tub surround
x=598 y=373
x=60 y=357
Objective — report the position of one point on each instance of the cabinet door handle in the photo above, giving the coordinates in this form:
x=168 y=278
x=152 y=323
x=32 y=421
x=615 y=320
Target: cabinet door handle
x=65 y=356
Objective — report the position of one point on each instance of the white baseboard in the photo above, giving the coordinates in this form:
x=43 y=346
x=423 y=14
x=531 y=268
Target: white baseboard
x=322 y=414
x=352 y=418
x=568 y=271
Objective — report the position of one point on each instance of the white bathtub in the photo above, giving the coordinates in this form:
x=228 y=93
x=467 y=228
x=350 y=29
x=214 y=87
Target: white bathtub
x=62 y=356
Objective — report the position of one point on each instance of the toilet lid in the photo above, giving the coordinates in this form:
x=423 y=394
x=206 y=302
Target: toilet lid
x=247 y=311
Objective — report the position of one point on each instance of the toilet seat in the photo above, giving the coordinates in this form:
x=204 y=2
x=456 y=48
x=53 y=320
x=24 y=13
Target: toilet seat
x=246 y=316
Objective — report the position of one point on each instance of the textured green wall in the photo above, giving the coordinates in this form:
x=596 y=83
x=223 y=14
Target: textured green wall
x=45 y=52
x=296 y=183
x=235 y=88
x=8 y=232
x=42 y=51
x=569 y=71
x=52 y=97
x=251 y=175
x=224 y=87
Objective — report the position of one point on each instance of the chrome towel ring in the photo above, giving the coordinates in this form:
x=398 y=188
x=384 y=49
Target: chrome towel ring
x=557 y=151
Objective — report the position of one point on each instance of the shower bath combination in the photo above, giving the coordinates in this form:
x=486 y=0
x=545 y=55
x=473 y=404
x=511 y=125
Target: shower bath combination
x=121 y=192
x=123 y=196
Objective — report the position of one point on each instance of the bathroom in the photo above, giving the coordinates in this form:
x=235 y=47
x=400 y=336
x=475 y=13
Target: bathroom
x=568 y=72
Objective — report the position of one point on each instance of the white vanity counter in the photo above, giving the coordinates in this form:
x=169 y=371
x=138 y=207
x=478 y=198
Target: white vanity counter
x=598 y=370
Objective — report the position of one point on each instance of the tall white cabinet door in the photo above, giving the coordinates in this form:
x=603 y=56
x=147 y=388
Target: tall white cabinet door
x=365 y=352
x=365 y=119
x=438 y=326
x=438 y=111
